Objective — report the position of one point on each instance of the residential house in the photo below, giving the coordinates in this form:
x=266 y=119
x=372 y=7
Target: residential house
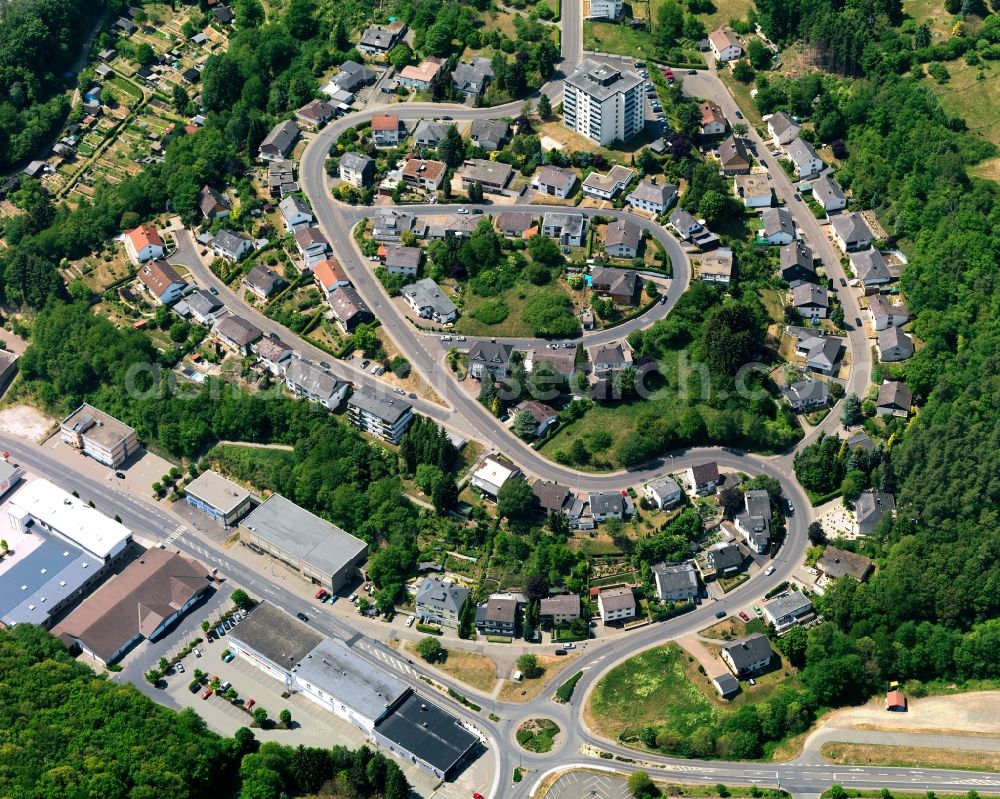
x=424 y=175
x=312 y=245
x=144 y=244
x=602 y=102
x=426 y=298
x=606 y=186
x=851 y=232
x=213 y=204
x=754 y=521
x=783 y=129
x=237 y=333
x=279 y=142
x=616 y=605
x=349 y=309
x=622 y=239
x=754 y=189
x=861 y=440
x=513 y=224
x=870 y=508
x=894 y=399
x=827 y=192
x=716 y=266
x=804 y=159
x=835 y=563
x=807 y=395
x=559 y=609
x=605 y=9
x=353 y=76
x=777 y=226
x=497 y=616
x=724 y=557
x=676 y=583
x=295 y=211
x=378 y=40
x=796 y=262
x=471 y=79
x=561 y=362
x=885 y=314
x=788 y=610
x=555 y=181
x=690 y=229
x=621 y=285
x=399 y=260
x=385 y=130
x=894 y=345
x=440 y=602
x=330 y=275
x=203 y=306
x=566 y=228
x=231 y=245
x=544 y=415
x=315 y=114
x=378 y=414
x=493 y=472
x=429 y=133
x=272 y=353
x=421 y=76
x=703 y=478
x=162 y=282
x=611 y=357
x=821 y=352
x=734 y=157
x=281 y=178
x=356 y=169
x=664 y=492
x=713 y=121
x=811 y=300
x=126 y=26
x=306 y=379
x=749 y=655
x=489 y=356
x=223 y=15
x=551 y=497
x=870 y=268
x=263 y=281
x=390 y=224
x=489 y=134
x=491 y=175
x=652 y=196
x=726 y=685
x=454 y=226
x=606 y=505
x=725 y=44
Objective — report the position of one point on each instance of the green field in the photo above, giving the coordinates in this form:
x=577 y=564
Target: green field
x=515 y=298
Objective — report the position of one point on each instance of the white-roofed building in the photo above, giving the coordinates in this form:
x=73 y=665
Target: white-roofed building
x=492 y=474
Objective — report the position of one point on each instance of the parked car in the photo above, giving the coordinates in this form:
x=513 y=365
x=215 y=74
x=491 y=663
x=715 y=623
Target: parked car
x=353 y=597
x=208 y=693
x=769 y=571
x=197 y=652
x=301 y=617
x=720 y=614
x=752 y=681
x=571 y=646
x=179 y=667
x=225 y=686
x=744 y=616
x=758 y=611
x=560 y=652
x=463 y=210
x=409 y=621
x=446 y=338
x=569 y=344
x=692 y=72
x=399 y=391
x=321 y=593
x=220 y=631
x=843 y=282
x=250 y=703
x=120 y=475
x=228 y=657
x=857 y=321
x=412 y=395
x=739 y=115
x=214 y=290
x=459 y=338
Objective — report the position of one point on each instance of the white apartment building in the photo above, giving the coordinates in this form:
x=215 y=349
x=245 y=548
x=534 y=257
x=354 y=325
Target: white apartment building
x=605 y=9
x=603 y=103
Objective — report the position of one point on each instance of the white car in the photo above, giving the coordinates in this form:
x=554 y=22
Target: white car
x=197 y=652
x=446 y=338
x=571 y=646
x=353 y=598
x=463 y=210
x=409 y=621
x=769 y=570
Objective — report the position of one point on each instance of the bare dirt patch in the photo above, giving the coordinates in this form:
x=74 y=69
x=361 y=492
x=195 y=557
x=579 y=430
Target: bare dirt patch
x=25 y=421
x=973 y=712
x=909 y=756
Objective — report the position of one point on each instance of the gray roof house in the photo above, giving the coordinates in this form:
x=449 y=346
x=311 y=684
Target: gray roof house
x=675 y=583
x=811 y=300
x=894 y=399
x=554 y=181
x=755 y=520
x=894 y=345
x=566 y=228
x=490 y=134
x=828 y=193
x=353 y=76
x=748 y=655
x=783 y=128
x=306 y=379
x=807 y=394
x=664 y=492
x=650 y=195
x=777 y=226
x=279 y=142
x=796 y=262
x=489 y=356
x=622 y=239
x=428 y=132
x=724 y=557
x=230 y=245
x=471 y=78
x=851 y=232
x=295 y=211
x=237 y=332
x=357 y=169
x=835 y=563
x=870 y=267
x=787 y=610
x=263 y=281
x=440 y=601
x=427 y=299
x=607 y=505
x=803 y=156
x=869 y=509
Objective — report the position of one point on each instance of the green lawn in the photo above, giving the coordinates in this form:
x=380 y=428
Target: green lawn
x=973 y=93
x=515 y=298
x=725 y=10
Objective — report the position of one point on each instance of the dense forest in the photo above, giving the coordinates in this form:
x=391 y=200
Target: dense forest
x=66 y=732
x=39 y=41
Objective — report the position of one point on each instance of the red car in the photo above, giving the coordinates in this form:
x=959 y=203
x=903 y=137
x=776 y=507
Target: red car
x=321 y=594
x=207 y=693
x=478 y=796
x=744 y=616
x=250 y=703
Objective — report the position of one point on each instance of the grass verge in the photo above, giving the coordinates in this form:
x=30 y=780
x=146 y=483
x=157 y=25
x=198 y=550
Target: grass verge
x=909 y=757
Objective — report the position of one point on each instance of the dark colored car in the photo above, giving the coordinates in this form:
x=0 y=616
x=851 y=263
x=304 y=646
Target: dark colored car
x=560 y=652
x=721 y=614
x=120 y=475
x=843 y=282
x=857 y=321
x=301 y=617
x=739 y=115
x=214 y=290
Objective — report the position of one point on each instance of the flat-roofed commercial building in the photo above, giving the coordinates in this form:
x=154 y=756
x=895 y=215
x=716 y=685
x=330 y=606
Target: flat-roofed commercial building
x=222 y=499
x=273 y=641
x=149 y=595
x=99 y=435
x=422 y=733
x=322 y=552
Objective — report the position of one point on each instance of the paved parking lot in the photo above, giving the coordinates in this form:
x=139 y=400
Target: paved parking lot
x=586 y=785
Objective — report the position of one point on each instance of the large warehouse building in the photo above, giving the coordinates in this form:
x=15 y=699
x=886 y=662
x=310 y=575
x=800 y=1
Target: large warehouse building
x=324 y=553
x=327 y=672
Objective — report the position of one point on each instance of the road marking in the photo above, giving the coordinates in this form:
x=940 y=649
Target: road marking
x=177 y=533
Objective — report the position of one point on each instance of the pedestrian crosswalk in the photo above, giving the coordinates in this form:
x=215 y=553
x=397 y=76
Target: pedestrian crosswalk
x=181 y=529
x=388 y=659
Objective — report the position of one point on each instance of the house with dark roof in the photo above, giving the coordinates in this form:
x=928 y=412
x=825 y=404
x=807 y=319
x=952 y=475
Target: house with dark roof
x=498 y=616
x=652 y=196
x=237 y=333
x=828 y=194
x=421 y=733
x=279 y=142
x=231 y=245
x=309 y=380
x=489 y=356
x=399 y=260
x=559 y=609
x=378 y=414
x=713 y=121
x=378 y=40
x=610 y=357
x=677 y=583
x=356 y=169
x=851 y=232
x=203 y=306
x=429 y=133
x=870 y=267
x=566 y=228
x=621 y=285
x=788 y=610
x=835 y=563
x=489 y=134
x=811 y=300
x=690 y=229
x=513 y=224
x=894 y=345
x=724 y=557
x=870 y=507
x=272 y=353
x=804 y=159
x=295 y=212
x=311 y=244
x=616 y=605
x=894 y=399
x=606 y=505
x=754 y=521
x=821 y=352
x=544 y=415
x=733 y=157
x=807 y=395
x=161 y=281
x=550 y=497
x=703 y=478
x=748 y=655
x=349 y=309
x=426 y=298
x=783 y=129
x=440 y=602
x=726 y=685
x=213 y=204
x=471 y=78
x=796 y=262
x=263 y=281
x=777 y=226
x=886 y=314
x=861 y=440
x=353 y=76
x=554 y=181
x=622 y=239
x=315 y=114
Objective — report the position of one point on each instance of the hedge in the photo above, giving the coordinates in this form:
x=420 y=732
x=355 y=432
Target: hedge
x=565 y=691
